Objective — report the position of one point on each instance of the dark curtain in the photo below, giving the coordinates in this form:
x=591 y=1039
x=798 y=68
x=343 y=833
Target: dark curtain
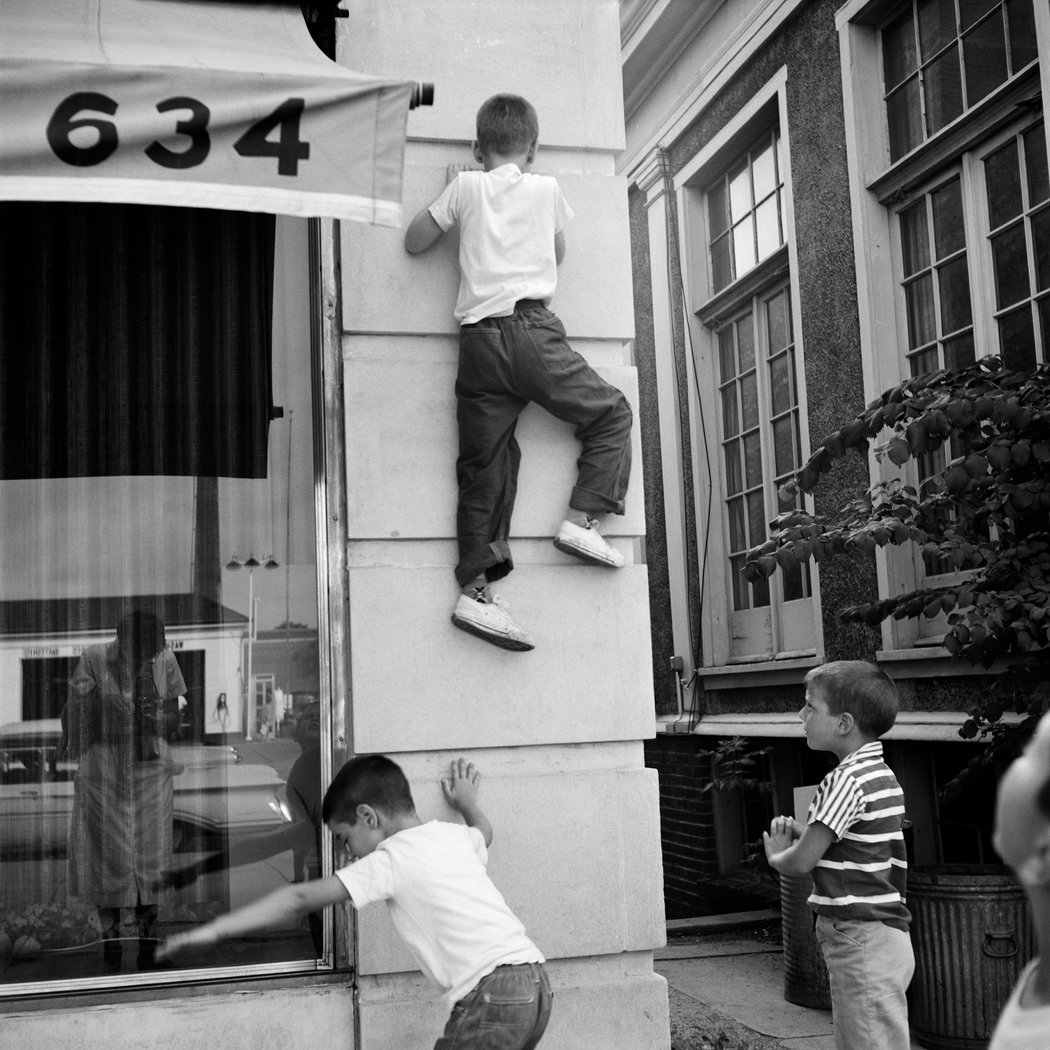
x=134 y=340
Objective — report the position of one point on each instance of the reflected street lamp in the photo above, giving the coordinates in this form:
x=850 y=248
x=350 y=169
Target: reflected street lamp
x=251 y=563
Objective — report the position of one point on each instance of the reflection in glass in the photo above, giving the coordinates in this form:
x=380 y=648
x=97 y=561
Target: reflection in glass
x=138 y=670
x=942 y=87
x=921 y=316
x=1010 y=263
x=1017 y=339
x=985 y=58
x=954 y=280
x=1003 y=181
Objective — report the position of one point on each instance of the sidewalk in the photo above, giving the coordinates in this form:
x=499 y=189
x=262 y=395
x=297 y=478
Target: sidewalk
x=725 y=982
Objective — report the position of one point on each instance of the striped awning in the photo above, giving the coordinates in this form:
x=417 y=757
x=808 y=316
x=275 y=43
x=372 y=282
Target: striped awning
x=199 y=103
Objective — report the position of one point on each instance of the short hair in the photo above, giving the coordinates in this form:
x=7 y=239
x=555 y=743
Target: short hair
x=141 y=632
x=372 y=780
x=859 y=688
x=507 y=124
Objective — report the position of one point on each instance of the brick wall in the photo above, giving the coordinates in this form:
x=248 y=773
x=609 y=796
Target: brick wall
x=687 y=821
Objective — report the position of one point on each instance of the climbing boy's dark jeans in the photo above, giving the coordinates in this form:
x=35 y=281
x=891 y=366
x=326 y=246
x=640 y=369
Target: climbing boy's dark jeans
x=507 y=1010
x=504 y=363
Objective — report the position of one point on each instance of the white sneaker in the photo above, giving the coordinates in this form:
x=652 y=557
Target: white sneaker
x=585 y=542
x=486 y=615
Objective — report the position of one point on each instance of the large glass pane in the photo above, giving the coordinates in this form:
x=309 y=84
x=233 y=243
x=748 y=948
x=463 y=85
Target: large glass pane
x=1010 y=263
x=753 y=459
x=904 y=117
x=923 y=362
x=921 y=315
x=1035 y=165
x=730 y=416
x=764 y=169
x=915 y=241
x=158 y=629
x=971 y=11
x=756 y=518
x=1024 y=46
x=949 y=233
x=1044 y=326
x=737 y=527
x=1041 y=248
x=1017 y=339
x=899 y=53
x=767 y=223
x=722 y=262
x=778 y=323
x=744 y=246
x=1003 y=179
x=958 y=352
x=726 y=354
x=745 y=339
x=954 y=280
x=760 y=594
x=740 y=201
x=741 y=591
x=734 y=481
x=792 y=583
x=749 y=400
x=984 y=54
x=783 y=446
x=937 y=26
x=780 y=383
x=717 y=211
x=942 y=89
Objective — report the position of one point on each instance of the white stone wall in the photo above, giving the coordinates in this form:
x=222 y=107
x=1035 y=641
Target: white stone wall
x=555 y=731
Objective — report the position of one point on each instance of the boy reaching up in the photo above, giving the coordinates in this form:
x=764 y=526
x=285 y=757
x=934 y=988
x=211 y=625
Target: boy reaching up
x=513 y=350
x=432 y=876
x=853 y=844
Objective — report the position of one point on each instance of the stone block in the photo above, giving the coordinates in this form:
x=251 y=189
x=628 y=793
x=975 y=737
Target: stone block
x=589 y=677
x=395 y=456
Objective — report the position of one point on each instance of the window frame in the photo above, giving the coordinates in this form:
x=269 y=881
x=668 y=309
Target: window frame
x=706 y=312
x=879 y=190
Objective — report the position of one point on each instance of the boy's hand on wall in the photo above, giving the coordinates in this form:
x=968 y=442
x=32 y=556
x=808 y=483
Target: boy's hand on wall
x=461 y=785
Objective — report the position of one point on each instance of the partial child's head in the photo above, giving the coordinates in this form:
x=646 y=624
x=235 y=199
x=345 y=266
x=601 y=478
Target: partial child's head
x=368 y=794
x=1022 y=812
x=507 y=125
x=859 y=689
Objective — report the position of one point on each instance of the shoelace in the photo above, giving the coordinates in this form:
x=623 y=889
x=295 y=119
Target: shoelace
x=483 y=596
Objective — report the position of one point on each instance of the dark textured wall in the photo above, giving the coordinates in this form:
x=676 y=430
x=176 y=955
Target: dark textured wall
x=687 y=826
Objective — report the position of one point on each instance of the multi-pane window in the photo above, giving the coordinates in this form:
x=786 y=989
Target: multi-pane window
x=745 y=211
x=1018 y=194
x=761 y=439
x=936 y=281
x=942 y=57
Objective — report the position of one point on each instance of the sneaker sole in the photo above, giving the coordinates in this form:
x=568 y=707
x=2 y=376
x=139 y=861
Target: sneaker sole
x=501 y=640
x=581 y=555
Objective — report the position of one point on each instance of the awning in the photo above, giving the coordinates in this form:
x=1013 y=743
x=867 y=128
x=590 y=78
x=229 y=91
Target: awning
x=197 y=103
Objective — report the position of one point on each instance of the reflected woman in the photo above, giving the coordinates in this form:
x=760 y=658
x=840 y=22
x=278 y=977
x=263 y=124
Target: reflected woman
x=122 y=709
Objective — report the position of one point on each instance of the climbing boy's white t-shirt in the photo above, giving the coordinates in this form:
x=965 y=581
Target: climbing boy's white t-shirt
x=451 y=917
x=507 y=220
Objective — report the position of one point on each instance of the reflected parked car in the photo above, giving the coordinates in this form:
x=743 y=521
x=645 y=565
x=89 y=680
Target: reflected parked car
x=218 y=798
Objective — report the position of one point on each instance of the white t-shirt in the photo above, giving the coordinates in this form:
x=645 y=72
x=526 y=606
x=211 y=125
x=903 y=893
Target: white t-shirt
x=507 y=220
x=452 y=918
x=1020 y=1027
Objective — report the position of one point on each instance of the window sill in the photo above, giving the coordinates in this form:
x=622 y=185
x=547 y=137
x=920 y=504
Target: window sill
x=930 y=661
x=787 y=671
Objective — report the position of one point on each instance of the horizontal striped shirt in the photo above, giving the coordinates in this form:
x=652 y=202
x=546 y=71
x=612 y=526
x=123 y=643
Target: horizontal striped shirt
x=863 y=874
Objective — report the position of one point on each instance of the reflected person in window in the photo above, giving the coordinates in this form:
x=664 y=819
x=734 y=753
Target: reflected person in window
x=122 y=709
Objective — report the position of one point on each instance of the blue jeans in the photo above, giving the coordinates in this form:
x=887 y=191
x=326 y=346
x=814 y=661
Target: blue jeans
x=507 y=1010
x=504 y=363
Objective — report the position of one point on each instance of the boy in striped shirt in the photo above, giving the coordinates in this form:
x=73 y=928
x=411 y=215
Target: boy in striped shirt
x=853 y=844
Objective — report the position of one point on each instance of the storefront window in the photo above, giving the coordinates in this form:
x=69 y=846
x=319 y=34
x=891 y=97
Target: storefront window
x=160 y=706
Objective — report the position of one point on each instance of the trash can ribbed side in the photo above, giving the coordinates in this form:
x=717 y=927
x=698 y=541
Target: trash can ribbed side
x=805 y=975
x=972 y=935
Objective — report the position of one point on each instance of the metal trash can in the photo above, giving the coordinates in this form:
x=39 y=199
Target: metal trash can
x=972 y=935
x=805 y=975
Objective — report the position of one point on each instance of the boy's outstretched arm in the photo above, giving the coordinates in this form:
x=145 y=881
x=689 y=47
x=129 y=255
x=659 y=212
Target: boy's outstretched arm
x=792 y=850
x=422 y=232
x=461 y=791
x=283 y=906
